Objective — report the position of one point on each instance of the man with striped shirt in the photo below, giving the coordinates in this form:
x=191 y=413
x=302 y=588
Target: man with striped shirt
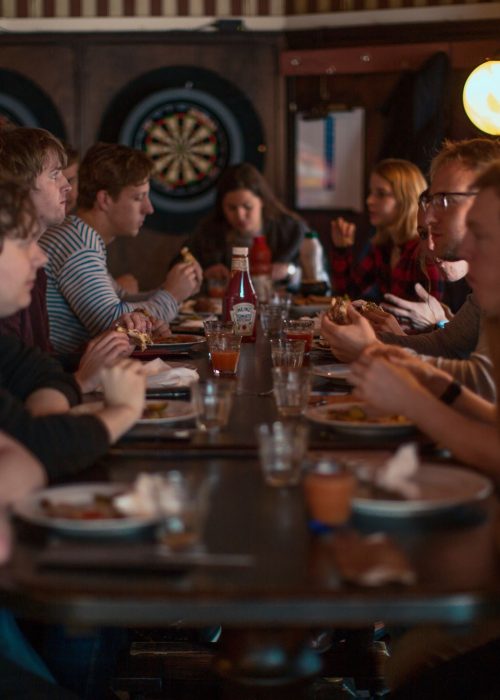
x=113 y=200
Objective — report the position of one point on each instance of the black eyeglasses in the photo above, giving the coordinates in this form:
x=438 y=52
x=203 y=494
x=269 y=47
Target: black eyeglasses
x=442 y=200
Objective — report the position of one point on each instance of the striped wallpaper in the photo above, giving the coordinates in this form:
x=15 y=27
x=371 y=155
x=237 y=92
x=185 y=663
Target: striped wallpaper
x=18 y=9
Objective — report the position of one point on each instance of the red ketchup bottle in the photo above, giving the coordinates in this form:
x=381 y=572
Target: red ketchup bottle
x=260 y=268
x=240 y=300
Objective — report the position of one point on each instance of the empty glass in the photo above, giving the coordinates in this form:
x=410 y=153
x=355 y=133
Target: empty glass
x=272 y=319
x=291 y=390
x=213 y=401
x=287 y=353
x=282 y=450
x=184 y=502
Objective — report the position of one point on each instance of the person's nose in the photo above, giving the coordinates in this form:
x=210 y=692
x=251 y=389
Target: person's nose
x=37 y=255
x=430 y=241
x=65 y=184
x=148 y=206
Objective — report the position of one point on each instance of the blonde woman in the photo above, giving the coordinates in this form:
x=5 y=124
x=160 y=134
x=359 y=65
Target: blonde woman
x=394 y=261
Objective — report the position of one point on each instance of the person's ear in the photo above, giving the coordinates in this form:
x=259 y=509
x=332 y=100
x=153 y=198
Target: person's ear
x=103 y=200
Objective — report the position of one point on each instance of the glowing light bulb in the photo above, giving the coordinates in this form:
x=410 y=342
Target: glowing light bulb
x=482 y=97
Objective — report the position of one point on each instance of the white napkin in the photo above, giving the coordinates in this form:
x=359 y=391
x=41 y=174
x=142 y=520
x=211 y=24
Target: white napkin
x=151 y=495
x=398 y=473
x=160 y=374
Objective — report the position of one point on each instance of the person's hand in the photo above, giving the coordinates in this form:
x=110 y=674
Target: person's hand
x=389 y=387
x=124 y=386
x=218 y=271
x=128 y=282
x=382 y=321
x=347 y=342
x=421 y=314
x=160 y=328
x=136 y=320
x=102 y=351
x=279 y=271
x=183 y=280
x=342 y=232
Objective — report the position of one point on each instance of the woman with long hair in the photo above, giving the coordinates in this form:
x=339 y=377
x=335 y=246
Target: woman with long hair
x=246 y=207
x=394 y=261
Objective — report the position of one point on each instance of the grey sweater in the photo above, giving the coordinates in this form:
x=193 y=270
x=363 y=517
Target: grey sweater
x=459 y=348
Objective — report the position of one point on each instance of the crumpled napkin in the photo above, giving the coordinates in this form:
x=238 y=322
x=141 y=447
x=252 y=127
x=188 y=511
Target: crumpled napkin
x=151 y=495
x=398 y=473
x=373 y=560
x=161 y=374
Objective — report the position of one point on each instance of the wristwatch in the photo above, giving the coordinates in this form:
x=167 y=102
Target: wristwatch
x=442 y=323
x=451 y=393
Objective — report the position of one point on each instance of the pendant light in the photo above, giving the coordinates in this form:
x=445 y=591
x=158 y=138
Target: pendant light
x=481 y=97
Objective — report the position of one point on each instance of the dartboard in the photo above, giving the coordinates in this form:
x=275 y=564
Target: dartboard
x=23 y=103
x=191 y=131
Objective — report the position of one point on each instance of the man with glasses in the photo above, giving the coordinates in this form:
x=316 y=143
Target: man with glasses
x=460 y=347
x=430 y=313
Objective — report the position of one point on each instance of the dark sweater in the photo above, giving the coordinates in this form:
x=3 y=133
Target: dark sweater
x=31 y=325
x=64 y=444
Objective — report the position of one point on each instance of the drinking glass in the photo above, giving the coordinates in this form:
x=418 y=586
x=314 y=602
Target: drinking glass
x=212 y=401
x=224 y=351
x=329 y=490
x=272 y=319
x=215 y=327
x=183 y=501
x=301 y=329
x=282 y=450
x=287 y=353
x=291 y=390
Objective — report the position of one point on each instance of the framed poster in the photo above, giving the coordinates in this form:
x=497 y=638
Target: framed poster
x=329 y=160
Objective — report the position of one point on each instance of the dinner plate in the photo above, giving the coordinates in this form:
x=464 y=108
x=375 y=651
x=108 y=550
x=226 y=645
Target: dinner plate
x=335 y=371
x=30 y=510
x=441 y=488
x=172 y=412
x=327 y=415
x=178 y=341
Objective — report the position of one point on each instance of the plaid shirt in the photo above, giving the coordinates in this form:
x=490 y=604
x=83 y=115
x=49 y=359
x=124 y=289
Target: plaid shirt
x=372 y=276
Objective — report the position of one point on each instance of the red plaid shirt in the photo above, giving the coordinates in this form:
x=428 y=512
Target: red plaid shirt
x=373 y=276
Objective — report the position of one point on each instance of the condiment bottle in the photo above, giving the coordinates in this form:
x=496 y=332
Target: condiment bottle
x=311 y=258
x=240 y=300
x=260 y=268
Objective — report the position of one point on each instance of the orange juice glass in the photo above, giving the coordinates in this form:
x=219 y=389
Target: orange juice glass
x=329 y=490
x=225 y=354
x=301 y=329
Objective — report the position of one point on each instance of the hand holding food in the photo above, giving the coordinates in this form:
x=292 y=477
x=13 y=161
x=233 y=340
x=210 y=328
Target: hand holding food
x=348 y=341
x=183 y=280
x=342 y=232
x=338 y=311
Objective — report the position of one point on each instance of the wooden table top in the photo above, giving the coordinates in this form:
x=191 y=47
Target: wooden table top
x=291 y=578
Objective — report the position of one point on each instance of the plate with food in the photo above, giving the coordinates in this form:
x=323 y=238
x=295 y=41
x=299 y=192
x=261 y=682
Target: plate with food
x=82 y=509
x=161 y=412
x=332 y=371
x=177 y=341
x=355 y=417
x=437 y=488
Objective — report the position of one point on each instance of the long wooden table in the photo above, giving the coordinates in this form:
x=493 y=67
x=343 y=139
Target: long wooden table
x=292 y=580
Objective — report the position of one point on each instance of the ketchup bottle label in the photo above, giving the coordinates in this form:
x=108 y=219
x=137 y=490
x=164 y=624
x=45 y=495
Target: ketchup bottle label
x=243 y=317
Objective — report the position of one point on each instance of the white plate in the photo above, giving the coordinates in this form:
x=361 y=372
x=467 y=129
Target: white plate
x=336 y=371
x=442 y=488
x=173 y=412
x=319 y=414
x=30 y=510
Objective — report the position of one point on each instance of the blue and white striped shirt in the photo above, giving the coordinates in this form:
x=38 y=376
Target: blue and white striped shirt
x=83 y=300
